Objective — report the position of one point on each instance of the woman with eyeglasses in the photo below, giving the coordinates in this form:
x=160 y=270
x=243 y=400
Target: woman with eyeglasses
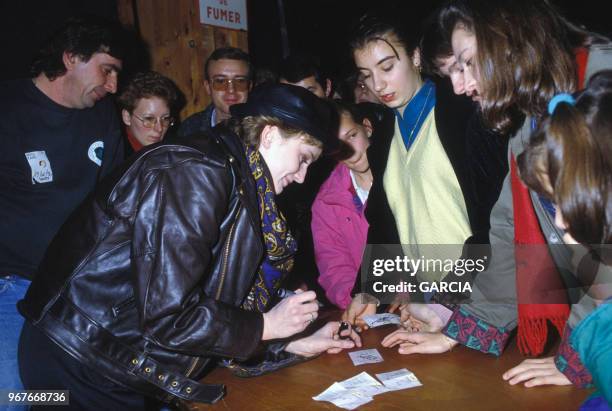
x=147 y=104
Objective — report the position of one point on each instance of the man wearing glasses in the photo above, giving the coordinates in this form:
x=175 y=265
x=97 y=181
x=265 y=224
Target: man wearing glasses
x=228 y=75
x=59 y=134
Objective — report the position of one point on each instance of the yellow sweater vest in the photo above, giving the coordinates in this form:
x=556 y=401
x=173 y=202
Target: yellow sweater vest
x=425 y=197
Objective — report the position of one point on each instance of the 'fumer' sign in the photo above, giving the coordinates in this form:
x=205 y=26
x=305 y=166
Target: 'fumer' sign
x=231 y=14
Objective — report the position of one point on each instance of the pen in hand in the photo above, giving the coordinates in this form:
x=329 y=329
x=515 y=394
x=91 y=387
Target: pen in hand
x=284 y=293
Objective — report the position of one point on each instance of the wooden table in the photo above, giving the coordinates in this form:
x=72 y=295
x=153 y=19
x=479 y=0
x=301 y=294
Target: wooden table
x=463 y=379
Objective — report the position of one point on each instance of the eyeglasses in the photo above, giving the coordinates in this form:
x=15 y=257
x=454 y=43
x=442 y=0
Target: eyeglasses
x=149 y=122
x=223 y=83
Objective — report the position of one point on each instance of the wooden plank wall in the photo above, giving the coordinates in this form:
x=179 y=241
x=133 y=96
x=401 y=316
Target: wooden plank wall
x=179 y=43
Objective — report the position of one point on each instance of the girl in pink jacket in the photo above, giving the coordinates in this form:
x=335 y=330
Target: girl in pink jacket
x=339 y=226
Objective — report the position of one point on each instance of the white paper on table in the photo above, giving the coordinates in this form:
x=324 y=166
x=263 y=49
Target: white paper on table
x=351 y=400
x=360 y=380
x=365 y=384
x=334 y=390
x=352 y=392
x=342 y=397
x=377 y=320
x=399 y=379
x=370 y=356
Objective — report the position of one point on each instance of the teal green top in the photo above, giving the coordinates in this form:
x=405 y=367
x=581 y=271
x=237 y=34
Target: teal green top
x=592 y=340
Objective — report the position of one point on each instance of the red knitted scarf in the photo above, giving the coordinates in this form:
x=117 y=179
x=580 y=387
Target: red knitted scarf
x=540 y=291
x=537 y=280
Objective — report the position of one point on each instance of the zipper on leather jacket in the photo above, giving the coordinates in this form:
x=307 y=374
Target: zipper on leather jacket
x=192 y=367
x=196 y=360
x=124 y=306
x=225 y=259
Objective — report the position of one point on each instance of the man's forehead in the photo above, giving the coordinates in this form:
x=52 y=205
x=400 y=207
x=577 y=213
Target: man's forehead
x=228 y=67
x=105 y=58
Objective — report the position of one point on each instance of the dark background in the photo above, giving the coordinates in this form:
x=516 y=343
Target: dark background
x=315 y=26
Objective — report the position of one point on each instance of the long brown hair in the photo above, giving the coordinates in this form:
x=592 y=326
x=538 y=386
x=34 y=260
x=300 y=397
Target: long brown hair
x=569 y=159
x=525 y=55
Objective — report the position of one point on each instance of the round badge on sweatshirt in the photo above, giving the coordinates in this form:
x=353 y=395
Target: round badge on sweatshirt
x=96 y=152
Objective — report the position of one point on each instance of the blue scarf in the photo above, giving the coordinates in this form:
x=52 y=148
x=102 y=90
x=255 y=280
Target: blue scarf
x=416 y=112
x=280 y=244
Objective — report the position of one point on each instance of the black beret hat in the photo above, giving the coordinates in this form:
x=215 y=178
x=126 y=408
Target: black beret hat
x=296 y=107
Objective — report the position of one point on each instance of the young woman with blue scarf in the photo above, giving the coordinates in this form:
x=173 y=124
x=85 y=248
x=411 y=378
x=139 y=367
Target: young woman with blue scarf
x=422 y=193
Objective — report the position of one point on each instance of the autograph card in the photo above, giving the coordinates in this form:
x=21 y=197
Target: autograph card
x=377 y=320
x=370 y=356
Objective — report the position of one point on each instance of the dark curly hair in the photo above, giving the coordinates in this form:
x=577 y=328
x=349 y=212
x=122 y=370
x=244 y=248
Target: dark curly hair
x=149 y=84
x=82 y=37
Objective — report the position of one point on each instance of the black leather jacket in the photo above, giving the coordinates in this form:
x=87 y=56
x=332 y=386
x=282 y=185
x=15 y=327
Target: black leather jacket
x=144 y=281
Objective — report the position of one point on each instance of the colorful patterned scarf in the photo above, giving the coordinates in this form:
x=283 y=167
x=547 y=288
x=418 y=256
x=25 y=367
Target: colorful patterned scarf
x=280 y=244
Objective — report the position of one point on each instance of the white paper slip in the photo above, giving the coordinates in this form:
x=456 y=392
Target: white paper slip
x=377 y=320
x=365 y=384
x=399 y=380
x=353 y=392
x=344 y=398
x=351 y=402
x=360 y=380
x=335 y=390
x=370 y=356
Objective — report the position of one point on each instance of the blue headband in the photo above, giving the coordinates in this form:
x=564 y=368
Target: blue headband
x=560 y=98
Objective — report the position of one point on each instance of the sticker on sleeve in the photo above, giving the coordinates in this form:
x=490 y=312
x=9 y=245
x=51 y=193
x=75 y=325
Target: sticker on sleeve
x=41 y=167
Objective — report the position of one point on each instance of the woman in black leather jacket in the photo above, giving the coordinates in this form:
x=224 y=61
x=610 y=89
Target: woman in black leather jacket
x=163 y=270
